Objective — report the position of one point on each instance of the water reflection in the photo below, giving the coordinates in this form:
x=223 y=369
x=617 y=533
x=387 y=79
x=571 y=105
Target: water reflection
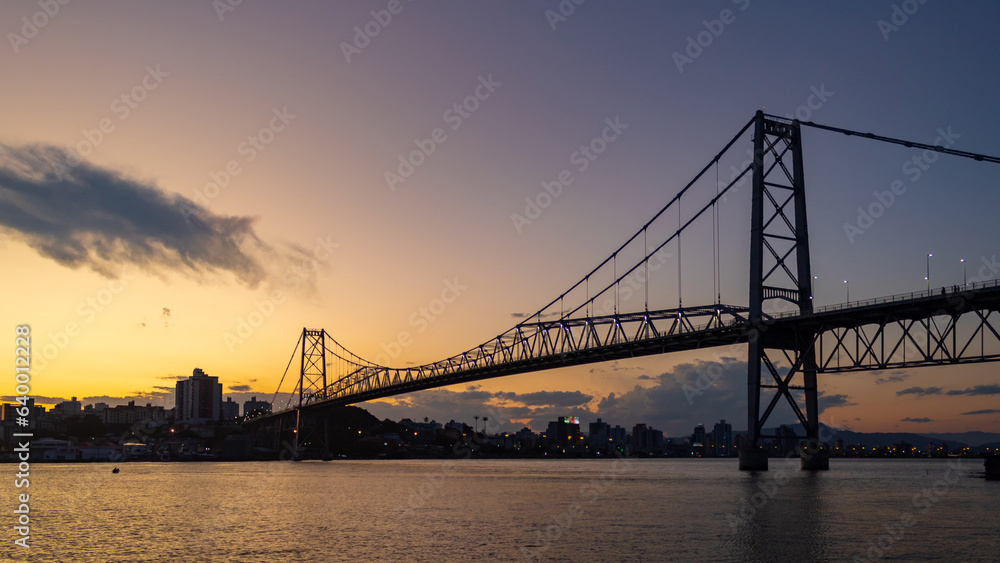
x=780 y=515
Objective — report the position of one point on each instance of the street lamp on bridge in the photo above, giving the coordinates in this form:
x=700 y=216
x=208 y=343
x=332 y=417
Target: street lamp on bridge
x=965 y=277
x=846 y=283
x=928 y=276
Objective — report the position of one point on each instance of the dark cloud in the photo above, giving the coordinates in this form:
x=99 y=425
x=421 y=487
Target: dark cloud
x=644 y=377
x=984 y=411
x=691 y=394
x=159 y=396
x=922 y=419
x=894 y=377
x=86 y=216
x=39 y=400
x=240 y=388
x=174 y=377
x=829 y=401
x=977 y=390
x=554 y=398
x=677 y=401
x=920 y=391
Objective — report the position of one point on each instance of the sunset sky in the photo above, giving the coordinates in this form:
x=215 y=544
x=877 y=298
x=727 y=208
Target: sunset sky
x=170 y=170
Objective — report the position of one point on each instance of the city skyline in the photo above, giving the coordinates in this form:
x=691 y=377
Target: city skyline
x=312 y=212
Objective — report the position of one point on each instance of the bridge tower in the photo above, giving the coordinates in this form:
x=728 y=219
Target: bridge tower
x=312 y=386
x=312 y=375
x=780 y=281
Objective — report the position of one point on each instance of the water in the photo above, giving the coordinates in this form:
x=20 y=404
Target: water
x=508 y=510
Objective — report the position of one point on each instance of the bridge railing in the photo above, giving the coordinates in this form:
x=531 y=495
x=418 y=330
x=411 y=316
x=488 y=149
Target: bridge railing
x=947 y=290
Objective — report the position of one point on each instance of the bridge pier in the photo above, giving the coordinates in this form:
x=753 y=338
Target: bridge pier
x=753 y=459
x=814 y=456
x=993 y=468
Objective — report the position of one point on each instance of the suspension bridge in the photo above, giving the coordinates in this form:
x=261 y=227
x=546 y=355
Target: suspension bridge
x=788 y=341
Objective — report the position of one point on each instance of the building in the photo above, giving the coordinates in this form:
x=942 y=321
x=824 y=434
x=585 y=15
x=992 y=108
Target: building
x=698 y=436
x=96 y=409
x=9 y=419
x=722 y=439
x=67 y=409
x=254 y=407
x=600 y=435
x=198 y=399
x=230 y=409
x=618 y=435
x=565 y=432
x=786 y=442
x=130 y=414
x=646 y=439
x=424 y=433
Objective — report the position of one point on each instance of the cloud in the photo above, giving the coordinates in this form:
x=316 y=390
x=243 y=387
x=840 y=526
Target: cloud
x=92 y=217
x=977 y=390
x=702 y=392
x=984 y=411
x=526 y=315
x=553 y=398
x=39 y=400
x=644 y=377
x=159 y=396
x=830 y=401
x=692 y=393
x=240 y=388
x=894 y=377
x=908 y=419
x=919 y=391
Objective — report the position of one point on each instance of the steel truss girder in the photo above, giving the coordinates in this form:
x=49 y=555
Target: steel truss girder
x=544 y=345
x=896 y=343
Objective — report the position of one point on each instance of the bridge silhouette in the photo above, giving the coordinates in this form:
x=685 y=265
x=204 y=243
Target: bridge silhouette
x=788 y=341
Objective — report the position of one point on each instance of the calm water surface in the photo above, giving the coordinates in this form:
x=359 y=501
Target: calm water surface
x=509 y=510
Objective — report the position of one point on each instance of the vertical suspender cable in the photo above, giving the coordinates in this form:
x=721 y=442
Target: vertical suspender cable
x=718 y=238
x=715 y=264
x=645 y=250
x=615 y=273
x=680 y=302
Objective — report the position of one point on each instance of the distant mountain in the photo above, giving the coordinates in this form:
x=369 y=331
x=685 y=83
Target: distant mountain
x=973 y=439
x=876 y=439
